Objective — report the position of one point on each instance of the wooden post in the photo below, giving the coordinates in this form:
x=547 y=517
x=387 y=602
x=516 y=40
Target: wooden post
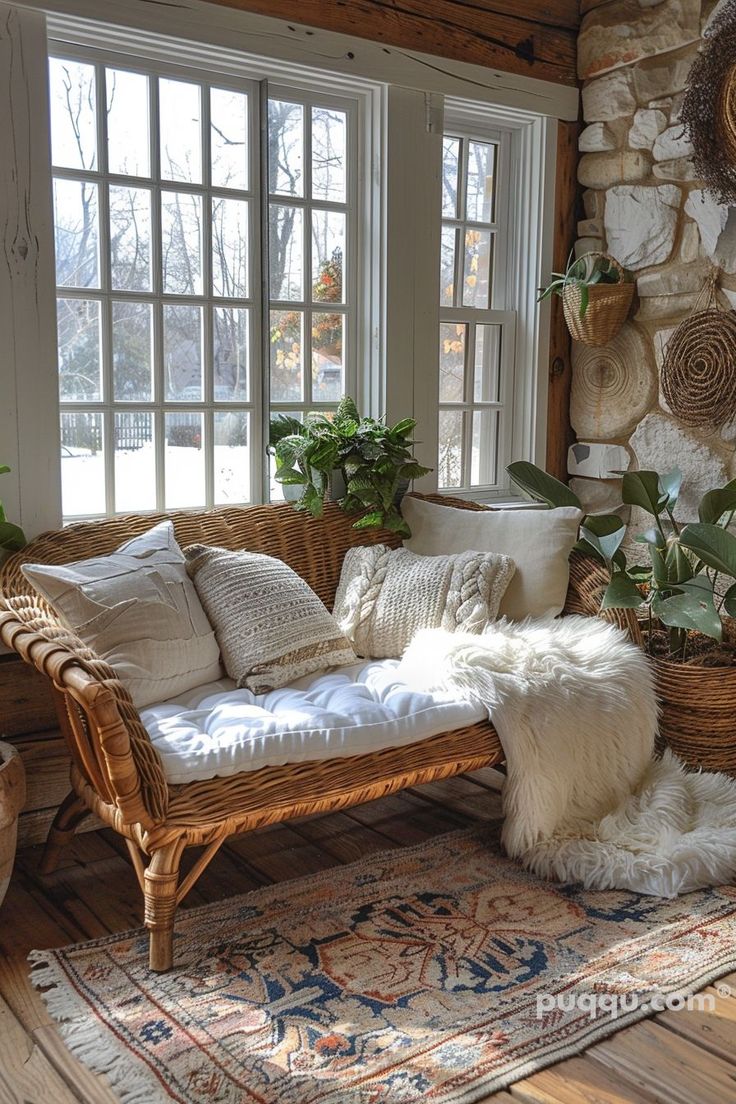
x=29 y=432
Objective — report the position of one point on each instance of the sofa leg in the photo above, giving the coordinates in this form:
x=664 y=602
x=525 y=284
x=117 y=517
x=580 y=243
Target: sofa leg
x=69 y=816
x=161 y=881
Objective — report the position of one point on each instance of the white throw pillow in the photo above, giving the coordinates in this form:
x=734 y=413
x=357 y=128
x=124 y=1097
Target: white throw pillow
x=138 y=610
x=386 y=595
x=538 y=541
x=271 y=626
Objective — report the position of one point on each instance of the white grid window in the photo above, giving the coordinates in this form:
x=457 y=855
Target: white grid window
x=168 y=346
x=476 y=337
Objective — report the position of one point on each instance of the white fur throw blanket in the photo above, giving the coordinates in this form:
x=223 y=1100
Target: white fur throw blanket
x=574 y=706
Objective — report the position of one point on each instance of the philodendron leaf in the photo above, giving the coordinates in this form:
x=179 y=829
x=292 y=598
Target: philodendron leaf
x=12 y=537
x=679 y=568
x=651 y=536
x=540 y=486
x=729 y=601
x=584 y=298
x=290 y=477
x=691 y=610
x=622 y=593
x=642 y=488
x=711 y=544
x=604 y=533
x=670 y=485
x=3 y=469
x=715 y=504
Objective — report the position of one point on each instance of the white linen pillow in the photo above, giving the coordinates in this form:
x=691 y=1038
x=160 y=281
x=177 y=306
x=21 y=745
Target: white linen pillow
x=271 y=626
x=538 y=541
x=386 y=595
x=138 y=610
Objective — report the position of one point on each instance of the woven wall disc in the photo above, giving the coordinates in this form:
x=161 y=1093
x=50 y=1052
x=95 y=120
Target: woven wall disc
x=708 y=112
x=613 y=387
x=699 y=369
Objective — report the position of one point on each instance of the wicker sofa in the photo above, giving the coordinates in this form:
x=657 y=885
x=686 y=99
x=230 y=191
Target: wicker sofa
x=116 y=771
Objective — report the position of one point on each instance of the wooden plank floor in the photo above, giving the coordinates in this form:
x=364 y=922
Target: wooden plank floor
x=675 y=1058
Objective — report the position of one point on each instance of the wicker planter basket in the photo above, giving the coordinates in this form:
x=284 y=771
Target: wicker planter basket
x=698 y=713
x=608 y=306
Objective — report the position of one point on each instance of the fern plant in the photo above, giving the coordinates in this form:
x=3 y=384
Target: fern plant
x=375 y=460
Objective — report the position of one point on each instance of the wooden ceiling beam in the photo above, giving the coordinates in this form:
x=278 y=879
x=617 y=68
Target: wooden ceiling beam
x=515 y=36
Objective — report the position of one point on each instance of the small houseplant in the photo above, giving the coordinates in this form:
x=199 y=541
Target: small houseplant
x=684 y=596
x=12 y=537
x=375 y=461
x=596 y=296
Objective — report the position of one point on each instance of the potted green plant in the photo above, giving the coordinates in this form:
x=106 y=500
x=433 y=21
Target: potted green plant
x=373 y=459
x=596 y=296
x=684 y=597
x=12 y=537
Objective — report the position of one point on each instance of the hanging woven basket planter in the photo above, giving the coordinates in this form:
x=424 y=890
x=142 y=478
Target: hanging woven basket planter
x=607 y=307
x=699 y=364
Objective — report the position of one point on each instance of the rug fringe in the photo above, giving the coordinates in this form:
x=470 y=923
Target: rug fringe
x=88 y=1039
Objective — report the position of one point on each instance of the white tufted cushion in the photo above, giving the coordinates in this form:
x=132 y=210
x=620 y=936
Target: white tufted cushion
x=219 y=730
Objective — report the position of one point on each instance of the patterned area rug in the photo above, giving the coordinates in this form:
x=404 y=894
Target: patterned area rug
x=438 y=973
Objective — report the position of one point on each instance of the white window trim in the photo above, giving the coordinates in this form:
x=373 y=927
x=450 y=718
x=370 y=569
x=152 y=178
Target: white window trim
x=357 y=67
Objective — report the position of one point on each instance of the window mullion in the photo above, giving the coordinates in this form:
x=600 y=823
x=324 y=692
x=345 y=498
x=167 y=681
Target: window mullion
x=260 y=173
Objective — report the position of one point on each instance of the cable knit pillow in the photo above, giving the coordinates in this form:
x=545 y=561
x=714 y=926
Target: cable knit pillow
x=387 y=595
x=271 y=626
x=137 y=609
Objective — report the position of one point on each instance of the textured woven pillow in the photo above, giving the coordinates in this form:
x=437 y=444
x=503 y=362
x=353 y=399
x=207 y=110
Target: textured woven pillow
x=271 y=626
x=137 y=609
x=387 y=595
x=538 y=541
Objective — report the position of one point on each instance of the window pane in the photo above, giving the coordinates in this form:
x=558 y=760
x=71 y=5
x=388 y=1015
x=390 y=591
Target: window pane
x=82 y=465
x=180 y=111
x=285 y=148
x=450 y=160
x=479 y=191
x=131 y=351
x=329 y=136
x=183 y=353
x=73 y=114
x=230 y=248
x=477 y=268
x=487 y=374
x=135 y=463
x=230 y=335
x=447 y=266
x=485 y=446
x=184 y=483
x=328 y=250
x=128 y=135
x=452 y=361
x=287 y=377
x=328 y=365
x=286 y=247
x=79 y=350
x=229 y=138
x=76 y=233
x=130 y=238
x=450 y=461
x=181 y=243
x=232 y=457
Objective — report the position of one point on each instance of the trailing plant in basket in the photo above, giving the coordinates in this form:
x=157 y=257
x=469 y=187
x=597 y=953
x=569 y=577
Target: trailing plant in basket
x=584 y=273
x=12 y=537
x=374 y=459
x=688 y=584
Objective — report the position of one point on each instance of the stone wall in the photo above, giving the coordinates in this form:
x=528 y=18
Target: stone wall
x=644 y=206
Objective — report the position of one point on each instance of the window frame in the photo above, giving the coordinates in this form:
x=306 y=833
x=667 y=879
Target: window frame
x=361 y=359
x=497 y=313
